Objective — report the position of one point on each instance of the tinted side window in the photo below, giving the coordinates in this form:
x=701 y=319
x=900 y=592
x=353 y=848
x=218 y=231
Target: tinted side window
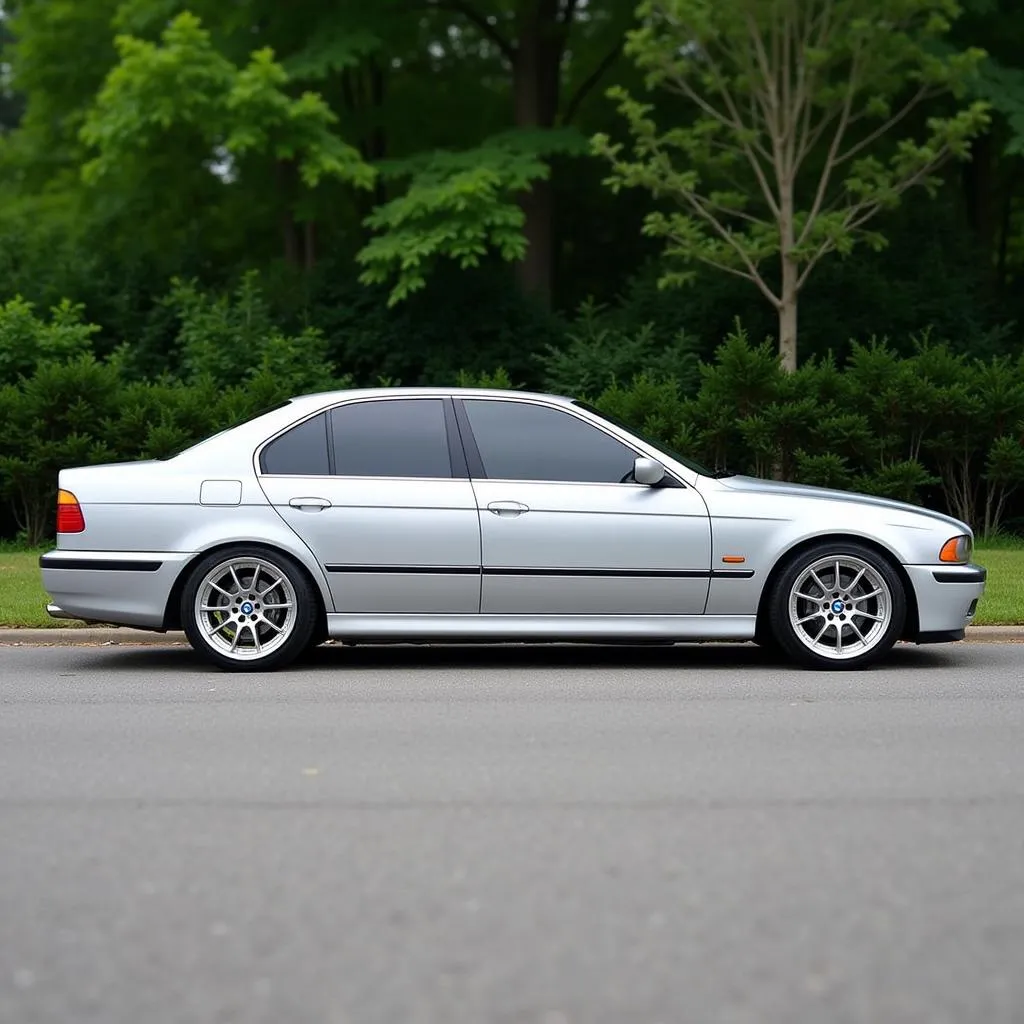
x=300 y=452
x=518 y=441
x=392 y=437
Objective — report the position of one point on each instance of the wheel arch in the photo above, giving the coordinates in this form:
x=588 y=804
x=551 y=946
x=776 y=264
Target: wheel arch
x=911 y=626
x=172 y=610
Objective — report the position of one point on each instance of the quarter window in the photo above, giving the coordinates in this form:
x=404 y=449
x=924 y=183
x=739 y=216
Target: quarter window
x=302 y=451
x=521 y=441
x=391 y=437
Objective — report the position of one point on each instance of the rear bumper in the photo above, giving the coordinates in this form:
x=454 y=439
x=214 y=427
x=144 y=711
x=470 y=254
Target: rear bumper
x=947 y=597
x=120 y=588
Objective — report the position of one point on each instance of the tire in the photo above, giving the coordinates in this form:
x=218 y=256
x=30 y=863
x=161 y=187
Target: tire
x=849 y=626
x=318 y=636
x=765 y=638
x=229 y=620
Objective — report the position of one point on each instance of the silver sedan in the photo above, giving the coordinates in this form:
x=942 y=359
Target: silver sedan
x=473 y=515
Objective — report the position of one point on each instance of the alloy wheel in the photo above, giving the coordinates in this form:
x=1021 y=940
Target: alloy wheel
x=246 y=608
x=840 y=607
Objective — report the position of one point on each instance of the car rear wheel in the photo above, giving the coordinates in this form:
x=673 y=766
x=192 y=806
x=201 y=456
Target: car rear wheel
x=838 y=606
x=249 y=609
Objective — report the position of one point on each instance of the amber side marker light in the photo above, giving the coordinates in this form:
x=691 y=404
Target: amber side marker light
x=733 y=559
x=956 y=549
x=69 y=513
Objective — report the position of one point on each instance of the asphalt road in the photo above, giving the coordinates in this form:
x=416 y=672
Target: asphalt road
x=413 y=836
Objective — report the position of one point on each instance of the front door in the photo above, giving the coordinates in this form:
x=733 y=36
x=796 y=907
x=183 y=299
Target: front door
x=565 y=531
x=380 y=495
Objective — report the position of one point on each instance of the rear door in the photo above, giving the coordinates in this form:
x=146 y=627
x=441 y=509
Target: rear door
x=564 y=529
x=378 y=489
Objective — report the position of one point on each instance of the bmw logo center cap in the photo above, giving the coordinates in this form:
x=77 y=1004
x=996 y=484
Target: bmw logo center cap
x=838 y=607
x=247 y=607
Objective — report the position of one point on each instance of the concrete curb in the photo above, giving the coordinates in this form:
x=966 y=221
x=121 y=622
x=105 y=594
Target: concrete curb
x=87 y=636
x=100 y=636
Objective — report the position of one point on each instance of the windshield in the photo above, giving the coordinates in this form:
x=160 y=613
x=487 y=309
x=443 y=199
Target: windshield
x=659 y=445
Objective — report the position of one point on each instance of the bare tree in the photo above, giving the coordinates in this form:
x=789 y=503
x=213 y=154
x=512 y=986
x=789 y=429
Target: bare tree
x=793 y=146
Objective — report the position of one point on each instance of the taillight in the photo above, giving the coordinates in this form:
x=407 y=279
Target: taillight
x=69 y=513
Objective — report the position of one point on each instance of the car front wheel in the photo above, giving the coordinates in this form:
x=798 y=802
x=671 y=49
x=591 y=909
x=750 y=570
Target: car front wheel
x=249 y=609
x=838 y=606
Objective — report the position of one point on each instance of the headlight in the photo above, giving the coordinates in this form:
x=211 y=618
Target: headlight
x=957 y=549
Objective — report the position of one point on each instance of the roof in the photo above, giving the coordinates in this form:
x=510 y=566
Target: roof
x=320 y=397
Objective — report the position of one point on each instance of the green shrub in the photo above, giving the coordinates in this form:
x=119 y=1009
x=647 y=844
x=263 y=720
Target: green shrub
x=499 y=380
x=597 y=354
x=232 y=340
x=48 y=421
x=934 y=426
x=26 y=340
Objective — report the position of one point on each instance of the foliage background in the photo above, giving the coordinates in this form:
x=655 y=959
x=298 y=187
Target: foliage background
x=165 y=265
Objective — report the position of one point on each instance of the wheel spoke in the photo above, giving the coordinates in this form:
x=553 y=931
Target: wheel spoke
x=267 y=590
x=839 y=637
x=272 y=625
x=256 y=637
x=818 y=583
x=821 y=632
x=809 y=618
x=856 y=580
x=806 y=597
x=865 y=597
x=839 y=578
x=238 y=582
x=221 y=590
x=866 y=615
x=217 y=629
x=214 y=607
x=860 y=635
x=273 y=607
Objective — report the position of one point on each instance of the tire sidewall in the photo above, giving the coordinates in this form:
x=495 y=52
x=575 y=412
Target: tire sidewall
x=784 y=631
x=306 y=610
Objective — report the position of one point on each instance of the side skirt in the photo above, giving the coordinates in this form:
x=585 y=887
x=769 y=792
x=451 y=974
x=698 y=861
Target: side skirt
x=541 y=628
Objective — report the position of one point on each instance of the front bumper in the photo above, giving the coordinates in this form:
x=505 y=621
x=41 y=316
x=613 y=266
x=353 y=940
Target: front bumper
x=119 y=588
x=947 y=598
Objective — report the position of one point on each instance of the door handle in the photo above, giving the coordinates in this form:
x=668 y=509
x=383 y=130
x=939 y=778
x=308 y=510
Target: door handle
x=310 y=504
x=507 y=508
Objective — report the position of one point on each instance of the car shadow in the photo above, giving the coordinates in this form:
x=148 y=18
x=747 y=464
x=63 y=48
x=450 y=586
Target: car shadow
x=375 y=657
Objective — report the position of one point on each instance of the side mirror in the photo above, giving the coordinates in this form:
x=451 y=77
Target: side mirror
x=648 y=471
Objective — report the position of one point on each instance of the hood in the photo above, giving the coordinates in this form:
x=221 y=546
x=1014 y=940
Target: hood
x=754 y=485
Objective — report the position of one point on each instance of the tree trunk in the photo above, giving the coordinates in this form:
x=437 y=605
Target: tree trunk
x=378 y=145
x=787 y=327
x=981 y=193
x=536 y=271
x=290 y=240
x=1005 y=230
x=790 y=279
x=363 y=89
x=536 y=75
x=309 y=244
